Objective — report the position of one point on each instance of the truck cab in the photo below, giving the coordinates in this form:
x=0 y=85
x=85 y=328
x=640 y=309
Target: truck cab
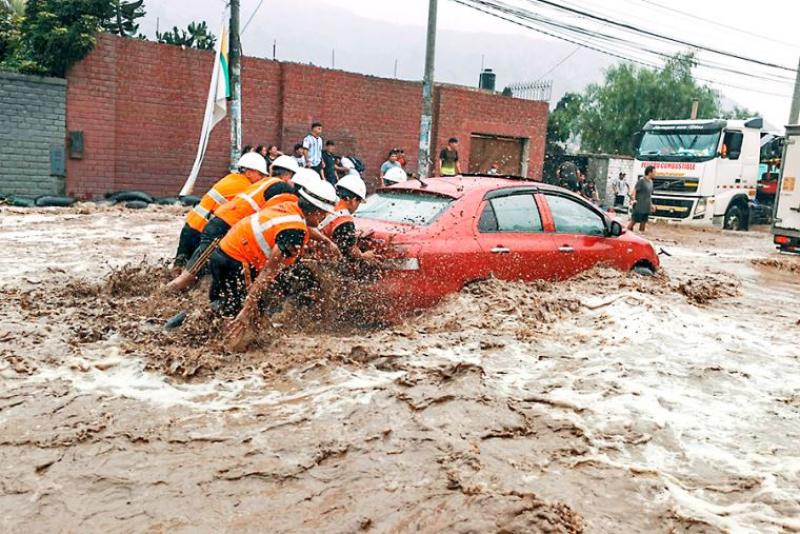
x=707 y=171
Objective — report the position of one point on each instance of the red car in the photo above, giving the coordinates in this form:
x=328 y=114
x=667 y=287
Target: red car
x=444 y=233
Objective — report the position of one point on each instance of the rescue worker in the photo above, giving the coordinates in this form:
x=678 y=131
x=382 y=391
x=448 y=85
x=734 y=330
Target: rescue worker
x=252 y=168
x=275 y=188
x=339 y=226
x=253 y=252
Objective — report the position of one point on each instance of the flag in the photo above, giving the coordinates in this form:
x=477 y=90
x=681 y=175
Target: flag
x=216 y=105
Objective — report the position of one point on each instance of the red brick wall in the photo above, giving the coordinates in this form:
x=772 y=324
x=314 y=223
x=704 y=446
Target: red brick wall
x=140 y=106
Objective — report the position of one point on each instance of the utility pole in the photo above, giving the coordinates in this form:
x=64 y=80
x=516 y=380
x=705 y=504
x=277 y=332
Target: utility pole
x=426 y=120
x=235 y=55
x=793 y=115
x=695 y=106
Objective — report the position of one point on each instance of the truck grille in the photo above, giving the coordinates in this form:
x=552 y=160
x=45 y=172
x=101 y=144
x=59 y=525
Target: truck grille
x=688 y=185
x=673 y=208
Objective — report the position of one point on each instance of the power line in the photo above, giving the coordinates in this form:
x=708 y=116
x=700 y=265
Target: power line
x=554 y=67
x=252 y=15
x=720 y=24
x=594 y=35
x=649 y=33
x=597 y=48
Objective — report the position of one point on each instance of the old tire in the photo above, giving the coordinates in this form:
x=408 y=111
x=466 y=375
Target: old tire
x=136 y=205
x=735 y=219
x=128 y=196
x=55 y=201
x=189 y=200
x=643 y=270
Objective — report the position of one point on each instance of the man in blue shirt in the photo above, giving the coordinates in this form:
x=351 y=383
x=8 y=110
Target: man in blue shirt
x=312 y=147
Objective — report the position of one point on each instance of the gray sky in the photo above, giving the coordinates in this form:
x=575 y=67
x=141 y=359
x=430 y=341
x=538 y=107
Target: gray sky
x=347 y=16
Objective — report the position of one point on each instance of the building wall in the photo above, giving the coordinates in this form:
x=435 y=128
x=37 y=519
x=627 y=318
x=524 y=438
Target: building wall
x=32 y=111
x=140 y=107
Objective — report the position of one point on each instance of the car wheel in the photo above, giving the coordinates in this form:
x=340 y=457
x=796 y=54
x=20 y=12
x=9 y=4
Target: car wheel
x=643 y=270
x=734 y=219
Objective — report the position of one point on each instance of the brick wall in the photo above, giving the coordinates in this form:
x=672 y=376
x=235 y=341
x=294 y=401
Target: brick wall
x=140 y=106
x=31 y=125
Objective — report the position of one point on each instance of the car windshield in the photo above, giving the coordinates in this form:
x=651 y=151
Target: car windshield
x=405 y=207
x=683 y=144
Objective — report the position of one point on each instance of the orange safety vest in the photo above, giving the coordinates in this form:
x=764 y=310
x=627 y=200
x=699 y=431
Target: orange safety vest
x=250 y=201
x=251 y=240
x=333 y=221
x=222 y=192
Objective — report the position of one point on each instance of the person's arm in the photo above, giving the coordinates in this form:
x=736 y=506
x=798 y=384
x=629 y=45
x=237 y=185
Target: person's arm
x=239 y=327
x=319 y=237
x=439 y=165
x=458 y=165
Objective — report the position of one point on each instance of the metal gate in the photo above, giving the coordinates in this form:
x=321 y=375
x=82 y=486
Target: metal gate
x=488 y=149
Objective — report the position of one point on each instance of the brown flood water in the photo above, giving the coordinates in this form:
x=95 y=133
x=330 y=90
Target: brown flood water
x=608 y=403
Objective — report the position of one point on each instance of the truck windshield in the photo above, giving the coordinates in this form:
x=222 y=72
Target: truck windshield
x=679 y=145
x=406 y=207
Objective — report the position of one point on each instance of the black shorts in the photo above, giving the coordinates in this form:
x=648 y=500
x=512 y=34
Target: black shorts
x=619 y=200
x=214 y=231
x=228 y=284
x=640 y=217
x=187 y=243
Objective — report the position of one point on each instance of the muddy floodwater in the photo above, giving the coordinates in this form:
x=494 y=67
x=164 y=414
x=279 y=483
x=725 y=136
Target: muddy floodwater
x=608 y=403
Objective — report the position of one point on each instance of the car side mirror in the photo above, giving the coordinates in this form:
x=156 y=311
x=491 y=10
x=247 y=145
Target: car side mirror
x=616 y=229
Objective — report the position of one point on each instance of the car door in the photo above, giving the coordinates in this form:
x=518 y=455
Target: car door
x=580 y=235
x=512 y=238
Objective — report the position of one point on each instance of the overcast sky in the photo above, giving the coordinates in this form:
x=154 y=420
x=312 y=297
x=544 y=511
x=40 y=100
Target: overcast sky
x=346 y=17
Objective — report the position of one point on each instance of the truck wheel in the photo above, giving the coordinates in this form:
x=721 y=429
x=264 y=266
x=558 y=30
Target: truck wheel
x=735 y=219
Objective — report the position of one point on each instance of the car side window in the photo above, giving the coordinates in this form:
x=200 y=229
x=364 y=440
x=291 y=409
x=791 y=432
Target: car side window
x=513 y=213
x=571 y=217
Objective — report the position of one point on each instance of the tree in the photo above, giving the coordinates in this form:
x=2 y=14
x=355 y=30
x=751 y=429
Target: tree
x=195 y=36
x=123 y=18
x=57 y=33
x=14 y=7
x=611 y=112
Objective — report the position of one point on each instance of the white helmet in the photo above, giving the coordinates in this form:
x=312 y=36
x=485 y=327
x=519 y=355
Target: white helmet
x=348 y=164
x=395 y=175
x=305 y=177
x=353 y=183
x=321 y=194
x=254 y=161
x=286 y=162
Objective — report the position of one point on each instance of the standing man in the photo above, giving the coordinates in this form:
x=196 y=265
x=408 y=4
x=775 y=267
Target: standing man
x=567 y=174
x=642 y=200
x=312 y=148
x=621 y=191
x=330 y=168
x=448 y=159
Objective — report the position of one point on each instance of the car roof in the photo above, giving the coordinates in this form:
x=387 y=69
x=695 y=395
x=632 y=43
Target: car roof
x=458 y=186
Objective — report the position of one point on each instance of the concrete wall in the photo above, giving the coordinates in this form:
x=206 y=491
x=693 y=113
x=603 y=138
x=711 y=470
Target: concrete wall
x=140 y=106
x=32 y=118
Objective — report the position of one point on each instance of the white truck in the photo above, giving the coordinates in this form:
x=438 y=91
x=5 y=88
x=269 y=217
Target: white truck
x=786 y=218
x=707 y=171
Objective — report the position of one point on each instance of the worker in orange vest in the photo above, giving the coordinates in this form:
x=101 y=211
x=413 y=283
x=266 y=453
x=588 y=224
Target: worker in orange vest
x=253 y=252
x=339 y=226
x=275 y=188
x=251 y=169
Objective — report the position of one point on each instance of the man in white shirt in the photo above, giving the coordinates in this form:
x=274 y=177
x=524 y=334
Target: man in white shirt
x=621 y=191
x=312 y=147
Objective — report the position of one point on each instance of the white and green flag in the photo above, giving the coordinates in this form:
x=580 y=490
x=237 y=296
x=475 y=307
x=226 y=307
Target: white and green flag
x=216 y=105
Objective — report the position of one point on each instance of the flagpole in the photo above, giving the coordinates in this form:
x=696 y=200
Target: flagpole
x=236 y=86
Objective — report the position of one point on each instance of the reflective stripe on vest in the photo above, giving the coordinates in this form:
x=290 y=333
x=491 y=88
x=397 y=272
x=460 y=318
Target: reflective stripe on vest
x=259 y=229
x=249 y=198
x=332 y=217
x=217 y=196
x=202 y=212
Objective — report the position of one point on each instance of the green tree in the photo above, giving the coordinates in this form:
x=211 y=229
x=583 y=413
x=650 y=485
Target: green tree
x=15 y=7
x=195 y=36
x=562 y=122
x=611 y=112
x=57 y=33
x=123 y=18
